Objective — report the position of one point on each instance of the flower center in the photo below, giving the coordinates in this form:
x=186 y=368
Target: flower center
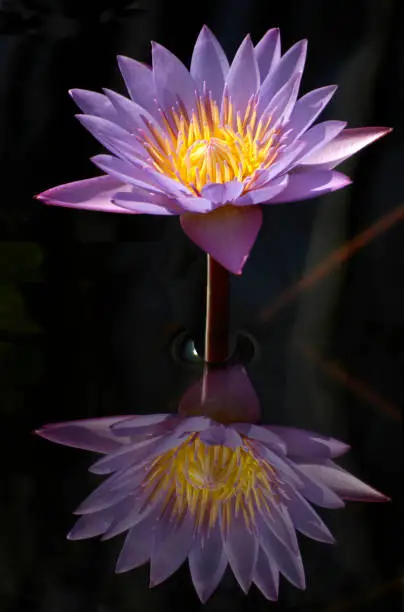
x=211 y=482
x=212 y=146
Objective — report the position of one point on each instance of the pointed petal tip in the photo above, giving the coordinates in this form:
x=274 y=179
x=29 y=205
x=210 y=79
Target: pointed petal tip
x=42 y=432
x=376 y=131
x=203 y=593
x=377 y=498
x=75 y=91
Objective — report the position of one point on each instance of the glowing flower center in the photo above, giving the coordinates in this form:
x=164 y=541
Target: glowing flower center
x=212 y=146
x=212 y=481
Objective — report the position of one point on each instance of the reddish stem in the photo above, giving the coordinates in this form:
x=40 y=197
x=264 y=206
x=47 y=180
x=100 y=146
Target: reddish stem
x=217 y=313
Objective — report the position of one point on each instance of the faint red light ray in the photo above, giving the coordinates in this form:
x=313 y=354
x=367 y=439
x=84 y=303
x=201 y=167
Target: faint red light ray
x=336 y=258
x=367 y=596
x=359 y=388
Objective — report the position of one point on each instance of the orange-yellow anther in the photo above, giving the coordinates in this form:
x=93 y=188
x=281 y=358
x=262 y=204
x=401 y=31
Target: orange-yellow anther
x=212 y=146
x=211 y=481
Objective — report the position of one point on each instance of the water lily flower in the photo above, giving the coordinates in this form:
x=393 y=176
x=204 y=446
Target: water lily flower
x=217 y=495
x=214 y=143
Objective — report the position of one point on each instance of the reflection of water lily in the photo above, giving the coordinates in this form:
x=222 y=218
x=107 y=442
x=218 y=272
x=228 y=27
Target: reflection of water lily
x=210 y=144
x=217 y=495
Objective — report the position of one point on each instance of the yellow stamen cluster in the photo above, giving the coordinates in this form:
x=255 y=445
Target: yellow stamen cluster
x=211 y=481
x=211 y=146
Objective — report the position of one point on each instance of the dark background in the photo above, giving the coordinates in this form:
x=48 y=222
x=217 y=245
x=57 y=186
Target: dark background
x=91 y=304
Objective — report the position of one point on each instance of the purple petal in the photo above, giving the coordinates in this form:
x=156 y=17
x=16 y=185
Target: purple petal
x=89 y=526
x=285 y=468
x=193 y=424
x=266 y=576
x=170 y=548
x=349 y=142
x=279 y=523
x=316 y=491
x=125 y=456
x=88 y=434
x=131 y=512
x=283 y=524
x=114 y=138
x=308 y=108
x=241 y=547
x=172 y=80
x=138 y=544
x=285 y=160
x=90 y=194
x=222 y=193
x=126 y=172
x=304 y=185
x=263 y=195
x=344 y=484
x=149 y=204
x=140 y=420
x=132 y=116
x=225 y=395
x=317 y=136
x=281 y=105
x=174 y=188
x=93 y=103
x=306 y=519
x=262 y=434
x=110 y=492
x=207 y=563
x=289 y=561
x=227 y=234
x=193 y=204
x=307 y=444
x=290 y=65
x=139 y=82
x=268 y=52
x=243 y=78
x=219 y=435
x=143 y=455
x=209 y=64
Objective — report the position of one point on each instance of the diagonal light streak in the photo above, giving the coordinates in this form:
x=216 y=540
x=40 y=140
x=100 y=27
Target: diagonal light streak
x=335 y=259
x=356 y=386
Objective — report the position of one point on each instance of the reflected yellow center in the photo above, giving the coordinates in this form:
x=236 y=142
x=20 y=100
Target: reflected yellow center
x=211 y=146
x=211 y=482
